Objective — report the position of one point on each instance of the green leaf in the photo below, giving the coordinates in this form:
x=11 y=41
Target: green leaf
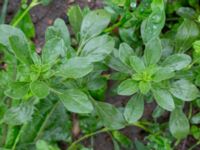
x=144 y=87
x=164 y=99
x=196 y=119
x=127 y=87
x=98 y=48
x=18 y=115
x=163 y=73
x=122 y=139
x=134 y=109
x=76 y=67
x=76 y=101
x=45 y=2
x=152 y=26
x=94 y=23
x=125 y=51
x=52 y=50
x=140 y=146
x=184 y=90
x=177 y=61
x=21 y=50
x=42 y=145
x=153 y=51
x=39 y=89
x=75 y=16
x=178 y=124
x=26 y=23
x=186 y=34
x=49 y=122
x=111 y=117
x=8 y=31
x=17 y=90
x=137 y=64
x=58 y=30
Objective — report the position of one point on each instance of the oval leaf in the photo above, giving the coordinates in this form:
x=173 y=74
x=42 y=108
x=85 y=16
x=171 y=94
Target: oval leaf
x=127 y=87
x=76 y=101
x=178 y=124
x=134 y=109
x=39 y=89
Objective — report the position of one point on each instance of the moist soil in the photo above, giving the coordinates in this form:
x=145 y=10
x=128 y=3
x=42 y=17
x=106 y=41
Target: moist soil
x=44 y=16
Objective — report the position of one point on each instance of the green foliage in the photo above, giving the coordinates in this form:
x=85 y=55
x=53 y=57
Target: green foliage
x=150 y=49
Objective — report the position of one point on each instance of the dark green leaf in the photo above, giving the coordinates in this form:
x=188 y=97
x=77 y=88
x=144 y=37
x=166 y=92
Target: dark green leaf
x=52 y=50
x=94 y=23
x=75 y=16
x=76 y=67
x=187 y=33
x=76 y=101
x=153 y=51
x=125 y=51
x=111 y=117
x=21 y=50
x=164 y=99
x=98 y=48
x=39 y=89
x=178 y=124
x=58 y=30
x=177 y=61
x=127 y=87
x=19 y=114
x=196 y=119
x=134 y=109
x=163 y=73
x=184 y=90
x=137 y=64
x=17 y=90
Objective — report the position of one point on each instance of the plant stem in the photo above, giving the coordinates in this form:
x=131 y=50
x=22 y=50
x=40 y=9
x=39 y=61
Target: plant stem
x=86 y=136
x=195 y=145
x=4 y=12
x=140 y=125
x=32 y=4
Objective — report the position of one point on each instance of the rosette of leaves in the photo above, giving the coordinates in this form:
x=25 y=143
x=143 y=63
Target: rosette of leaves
x=62 y=76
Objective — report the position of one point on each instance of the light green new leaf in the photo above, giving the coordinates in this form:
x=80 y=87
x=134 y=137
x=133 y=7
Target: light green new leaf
x=39 y=89
x=111 y=117
x=184 y=90
x=164 y=99
x=186 y=34
x=153 y=51
x=75 y=16
x=21 y=50
x=152 y=26
x=177 y=61
x=137 y=64
x=163 y=73
x=76 y=101
x=144 y=87
x=127 y=87
x=17 y=90
x=178 y=124
x=98 y=48
x=134 y=109
x=76 y=67
x=125 y=51
x=58 y=30
x=52 y=50
x=94 y=23
x=19 y=115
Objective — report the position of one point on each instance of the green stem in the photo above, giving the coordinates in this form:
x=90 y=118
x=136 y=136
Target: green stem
x=32 y=4
x=107 y=30
x=4 y=12
x=195 y=145
x=86 y=136
x=140 y=125
x=45 y=122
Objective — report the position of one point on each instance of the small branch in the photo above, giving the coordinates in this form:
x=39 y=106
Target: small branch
x=71 y=147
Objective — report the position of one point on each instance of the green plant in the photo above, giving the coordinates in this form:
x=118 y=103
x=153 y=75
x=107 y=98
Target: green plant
x=150 y=59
